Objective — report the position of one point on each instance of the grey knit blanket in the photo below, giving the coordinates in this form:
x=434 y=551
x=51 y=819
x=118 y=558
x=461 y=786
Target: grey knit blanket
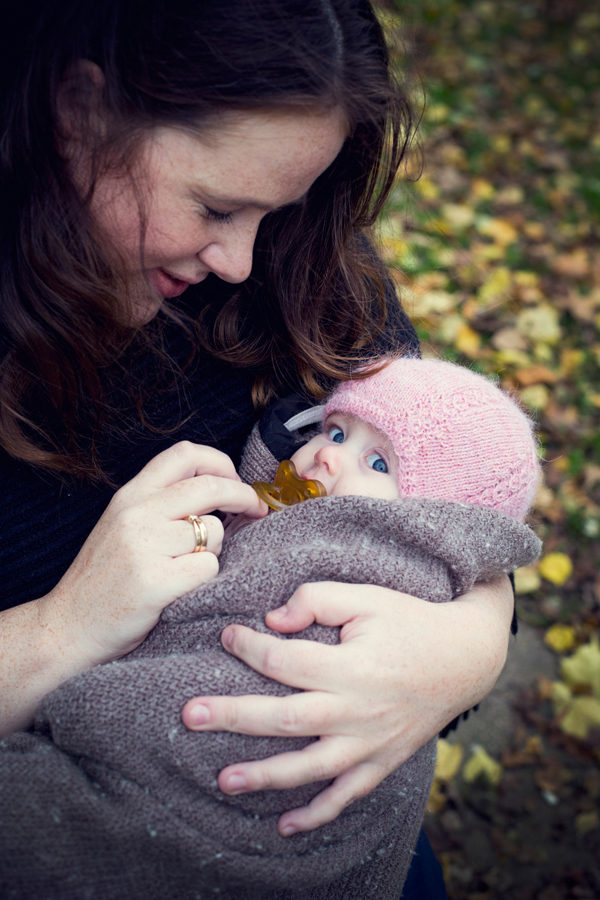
x=110 y=797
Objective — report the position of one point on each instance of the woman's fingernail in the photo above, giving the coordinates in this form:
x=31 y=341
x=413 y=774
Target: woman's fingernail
x=227 y=638
x=199 y=715
x=279 y=613
x=287 y=830
x=236 y=784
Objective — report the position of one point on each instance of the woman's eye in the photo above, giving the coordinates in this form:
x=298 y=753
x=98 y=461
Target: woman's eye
x=336 y=435
x=218 y=216
x=377 y=462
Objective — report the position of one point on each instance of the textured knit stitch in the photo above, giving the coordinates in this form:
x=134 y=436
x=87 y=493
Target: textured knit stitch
x=111 y=797
x=456 y=435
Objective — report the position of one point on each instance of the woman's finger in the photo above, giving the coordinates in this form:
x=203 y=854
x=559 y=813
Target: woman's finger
x=183 y=460
x=326 y=806
x=297 y=715
x=300 y=664
x=182 y=537
x=324 y=603
x=321 y=760
x=205 y=493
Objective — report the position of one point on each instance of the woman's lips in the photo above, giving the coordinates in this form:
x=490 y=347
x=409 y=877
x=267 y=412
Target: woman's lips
x=166 y=285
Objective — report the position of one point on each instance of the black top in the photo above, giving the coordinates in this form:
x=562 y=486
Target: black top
x=45 y=518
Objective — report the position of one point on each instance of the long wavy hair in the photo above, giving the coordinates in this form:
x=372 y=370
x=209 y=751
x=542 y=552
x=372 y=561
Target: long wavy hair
x=316 y=297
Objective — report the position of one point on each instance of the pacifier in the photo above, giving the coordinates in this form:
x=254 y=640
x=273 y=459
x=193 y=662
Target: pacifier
x=288 y=488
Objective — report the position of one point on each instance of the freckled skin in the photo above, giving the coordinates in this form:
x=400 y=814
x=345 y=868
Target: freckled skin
x=241 y=166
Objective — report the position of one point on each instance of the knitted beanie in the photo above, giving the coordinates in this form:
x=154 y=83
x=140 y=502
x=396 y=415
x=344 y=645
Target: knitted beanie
x=457 y=436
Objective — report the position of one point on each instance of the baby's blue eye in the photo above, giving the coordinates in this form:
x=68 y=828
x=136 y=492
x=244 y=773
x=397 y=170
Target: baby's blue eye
x=376 y=462
x=336 y=435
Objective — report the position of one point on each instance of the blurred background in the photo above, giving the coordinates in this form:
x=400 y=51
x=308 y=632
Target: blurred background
x=492 y=236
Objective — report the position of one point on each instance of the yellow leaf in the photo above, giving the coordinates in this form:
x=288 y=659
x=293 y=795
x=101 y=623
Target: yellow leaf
x=458 y=215
x=501 y=143
x=437 y=798
x=527 y=580
x=510 y=357
x=467 y=341
x=432 y=301
x=427 y=188
x=512 y=195
x=570 y=360
x=487 y=252
x=583 y=715
x=561 y=696
x=537 y=396
x=501 y=231
x=481 y=765
x=555 y=567
x=496 y=286
x=560 y=638
x=534 y=230
x=482 y=189
x=587 y=821
x=539 y=324
x=543 y=352
x=449 y=758
x=450 y=327
x=583 y=667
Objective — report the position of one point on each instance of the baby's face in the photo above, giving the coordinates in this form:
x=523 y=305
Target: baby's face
x=350 y=457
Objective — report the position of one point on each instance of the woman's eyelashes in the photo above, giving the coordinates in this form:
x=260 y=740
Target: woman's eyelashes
x=377 y=463
x=216 y=216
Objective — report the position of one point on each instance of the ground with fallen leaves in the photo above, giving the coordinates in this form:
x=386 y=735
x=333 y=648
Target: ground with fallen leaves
x=496 y=253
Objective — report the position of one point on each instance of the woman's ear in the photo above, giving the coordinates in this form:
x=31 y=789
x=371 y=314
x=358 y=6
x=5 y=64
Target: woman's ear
x=80 y=105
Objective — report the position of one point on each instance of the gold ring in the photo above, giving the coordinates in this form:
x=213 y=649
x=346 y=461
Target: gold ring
x=200 y=533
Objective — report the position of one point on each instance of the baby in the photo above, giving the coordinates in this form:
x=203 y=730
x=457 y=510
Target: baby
x=418 y=428
x=429 y=470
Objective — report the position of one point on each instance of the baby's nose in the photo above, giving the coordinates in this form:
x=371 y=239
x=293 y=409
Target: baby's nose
x=330 y=456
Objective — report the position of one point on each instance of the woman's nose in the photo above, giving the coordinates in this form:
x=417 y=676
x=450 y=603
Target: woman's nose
x=229 y=256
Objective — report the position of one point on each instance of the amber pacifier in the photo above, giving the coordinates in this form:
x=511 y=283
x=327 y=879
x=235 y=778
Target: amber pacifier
x=288 y=488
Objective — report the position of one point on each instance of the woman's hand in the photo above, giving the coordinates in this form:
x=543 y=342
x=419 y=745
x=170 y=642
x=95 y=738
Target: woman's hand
x=137 y=560
x=403 y=670
x=139 y=557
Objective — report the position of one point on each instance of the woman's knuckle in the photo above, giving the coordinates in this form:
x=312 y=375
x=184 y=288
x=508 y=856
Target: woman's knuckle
x=288 y=722
x=210 y=484
x=273 y=659
x=260 y=780
x=230 y=716
x=211 y=565
x=182 y=448
x=304 y=594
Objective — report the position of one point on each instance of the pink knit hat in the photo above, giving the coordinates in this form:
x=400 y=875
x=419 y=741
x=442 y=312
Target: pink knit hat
x=456 y=435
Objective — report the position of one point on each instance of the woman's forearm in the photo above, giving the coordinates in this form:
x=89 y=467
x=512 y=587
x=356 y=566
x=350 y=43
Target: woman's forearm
x=473 y=634
x=34 y=659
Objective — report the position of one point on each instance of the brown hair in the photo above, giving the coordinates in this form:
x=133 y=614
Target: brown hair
x=316 y=291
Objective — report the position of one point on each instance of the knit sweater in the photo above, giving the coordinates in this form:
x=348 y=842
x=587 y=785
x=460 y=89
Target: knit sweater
x=111 y=797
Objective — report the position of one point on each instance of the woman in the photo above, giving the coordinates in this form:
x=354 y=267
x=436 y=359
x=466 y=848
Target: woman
x=149 y=147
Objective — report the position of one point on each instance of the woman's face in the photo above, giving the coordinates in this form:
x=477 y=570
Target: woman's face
x=203 y=196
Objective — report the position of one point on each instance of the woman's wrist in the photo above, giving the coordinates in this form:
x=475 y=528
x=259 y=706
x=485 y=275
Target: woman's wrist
x=35 y=657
